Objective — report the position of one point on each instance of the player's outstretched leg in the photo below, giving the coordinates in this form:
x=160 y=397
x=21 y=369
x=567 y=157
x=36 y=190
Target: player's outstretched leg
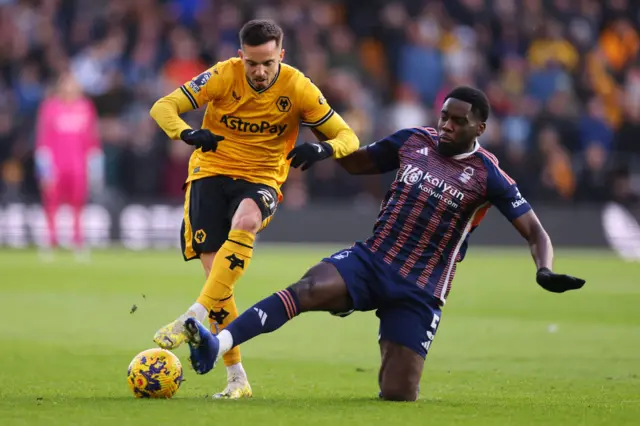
x=320 y=289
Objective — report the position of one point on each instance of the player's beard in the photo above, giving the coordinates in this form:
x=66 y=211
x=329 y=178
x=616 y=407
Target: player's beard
x=449 y=149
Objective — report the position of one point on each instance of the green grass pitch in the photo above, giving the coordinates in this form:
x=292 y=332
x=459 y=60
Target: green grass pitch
x=507 y=352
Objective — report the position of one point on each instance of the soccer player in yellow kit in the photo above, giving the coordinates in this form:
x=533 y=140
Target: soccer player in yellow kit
x=255 y=106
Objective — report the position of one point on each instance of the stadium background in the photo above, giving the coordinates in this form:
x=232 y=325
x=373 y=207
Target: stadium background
x=563 y=77
x=564 y=80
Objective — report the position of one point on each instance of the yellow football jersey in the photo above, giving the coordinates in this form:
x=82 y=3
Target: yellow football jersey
x=260 y=127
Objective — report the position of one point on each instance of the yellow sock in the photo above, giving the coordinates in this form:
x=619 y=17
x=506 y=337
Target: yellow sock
x=228 y=266
x=219 y=318
x=217 y=294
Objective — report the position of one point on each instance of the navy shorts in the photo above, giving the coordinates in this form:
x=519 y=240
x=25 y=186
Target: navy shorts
x=409 y=316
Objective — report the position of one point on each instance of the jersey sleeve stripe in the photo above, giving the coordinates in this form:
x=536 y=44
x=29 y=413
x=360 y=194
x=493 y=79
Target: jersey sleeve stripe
x=319 y=122
x=494 y=161
x=194 y=104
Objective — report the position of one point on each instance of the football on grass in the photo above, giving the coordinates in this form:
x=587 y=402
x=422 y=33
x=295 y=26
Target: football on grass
x=155 y=373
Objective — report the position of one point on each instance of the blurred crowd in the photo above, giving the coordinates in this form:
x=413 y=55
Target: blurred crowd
x=563 y=78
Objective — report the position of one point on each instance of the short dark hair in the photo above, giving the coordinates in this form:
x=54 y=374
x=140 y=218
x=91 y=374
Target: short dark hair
x=477 y=99
x=260 y=31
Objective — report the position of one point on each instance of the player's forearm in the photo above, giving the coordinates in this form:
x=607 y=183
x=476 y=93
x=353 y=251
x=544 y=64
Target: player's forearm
x=541 y=247
x=359 y=163
x=339 y=135
x=166 y=112
x=346 y=142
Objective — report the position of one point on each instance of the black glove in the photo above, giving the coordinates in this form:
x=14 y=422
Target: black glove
x=202 y=138
x=308 y=153
x=557 y=283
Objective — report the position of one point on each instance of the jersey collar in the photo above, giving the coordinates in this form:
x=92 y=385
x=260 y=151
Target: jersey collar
x=272 y=83
x=476 y=146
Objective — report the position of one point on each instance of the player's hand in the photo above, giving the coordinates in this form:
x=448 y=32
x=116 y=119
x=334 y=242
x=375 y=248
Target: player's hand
x=202 y=138
x=308 y=153
x=557 y=283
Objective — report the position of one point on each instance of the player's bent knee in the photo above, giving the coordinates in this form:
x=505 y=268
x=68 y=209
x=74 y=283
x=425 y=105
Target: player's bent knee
x=247 y=217
x=399 y=386
x=397 y=393
x=400 y=372
x=306 y=292
x=249 y=223
x=322 y=289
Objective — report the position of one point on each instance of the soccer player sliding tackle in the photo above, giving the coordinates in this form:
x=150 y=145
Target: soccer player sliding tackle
x=255 y=105
x=444 y=185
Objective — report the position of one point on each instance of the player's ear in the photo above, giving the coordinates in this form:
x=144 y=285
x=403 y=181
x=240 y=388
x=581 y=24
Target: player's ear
x=481 y=128
x=281 y=54
x=240 y=54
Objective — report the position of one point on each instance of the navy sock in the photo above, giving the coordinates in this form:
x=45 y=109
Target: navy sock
x=265 y=316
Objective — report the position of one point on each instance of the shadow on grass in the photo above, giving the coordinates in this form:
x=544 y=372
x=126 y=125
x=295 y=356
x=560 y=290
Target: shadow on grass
x=262 y=401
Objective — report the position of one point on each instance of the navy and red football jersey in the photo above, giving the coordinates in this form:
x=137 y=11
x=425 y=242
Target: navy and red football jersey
x=433 y=205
